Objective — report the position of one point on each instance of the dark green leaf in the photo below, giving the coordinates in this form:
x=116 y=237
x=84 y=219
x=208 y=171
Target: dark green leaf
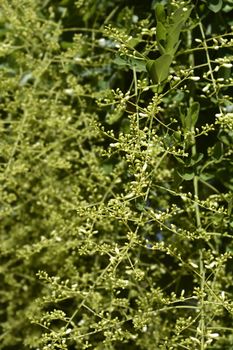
x=218 y=150
x=159 y=68
x=230 y=206
x=180 y=160
x=173 y=38
x=161 y=36
x=226 y=138
x=182 y=118
x=196 y=159
x=192 y=116
x=206 y=176
x=188 y=175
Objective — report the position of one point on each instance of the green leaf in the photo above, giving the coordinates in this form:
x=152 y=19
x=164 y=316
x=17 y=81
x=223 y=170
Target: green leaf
x=161 y=36
x=173 y=38
x=187 y=175
x=218 y=150
x=215 y=5
x=192 y=116
x=124 y=61
x=206 y=176
x=177 y=20
x=159 y=69
x=112 y=118
x=177 y=135
x=160 y=13
x=149 y=68
x=181 y=14
x=107 y=167
x=225 y=138
x=196 y=159
x=179 y=160
x=182 y=118
x=230 y=206
x=168 y=34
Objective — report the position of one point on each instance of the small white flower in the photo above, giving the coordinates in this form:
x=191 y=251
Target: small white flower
x=144 y=167
x=77 y=59
x=102 y=42
x=195 y=78
x=193 y=265
x=134 y=18
x=214 y=335
x=227 y=65
x=114 y=144
x=206 y=88
x=69 y=92
x=68 y=331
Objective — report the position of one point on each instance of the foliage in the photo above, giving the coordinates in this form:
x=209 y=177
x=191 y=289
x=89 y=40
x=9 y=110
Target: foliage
x=116 y=174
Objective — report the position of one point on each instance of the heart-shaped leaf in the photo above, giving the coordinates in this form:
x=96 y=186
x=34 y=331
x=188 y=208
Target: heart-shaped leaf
x=159 y=68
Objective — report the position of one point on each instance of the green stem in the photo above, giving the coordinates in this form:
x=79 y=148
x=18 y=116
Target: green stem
x=197 y=215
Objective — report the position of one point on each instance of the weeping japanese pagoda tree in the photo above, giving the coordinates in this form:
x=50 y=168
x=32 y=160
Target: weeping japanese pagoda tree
x=116 y=175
